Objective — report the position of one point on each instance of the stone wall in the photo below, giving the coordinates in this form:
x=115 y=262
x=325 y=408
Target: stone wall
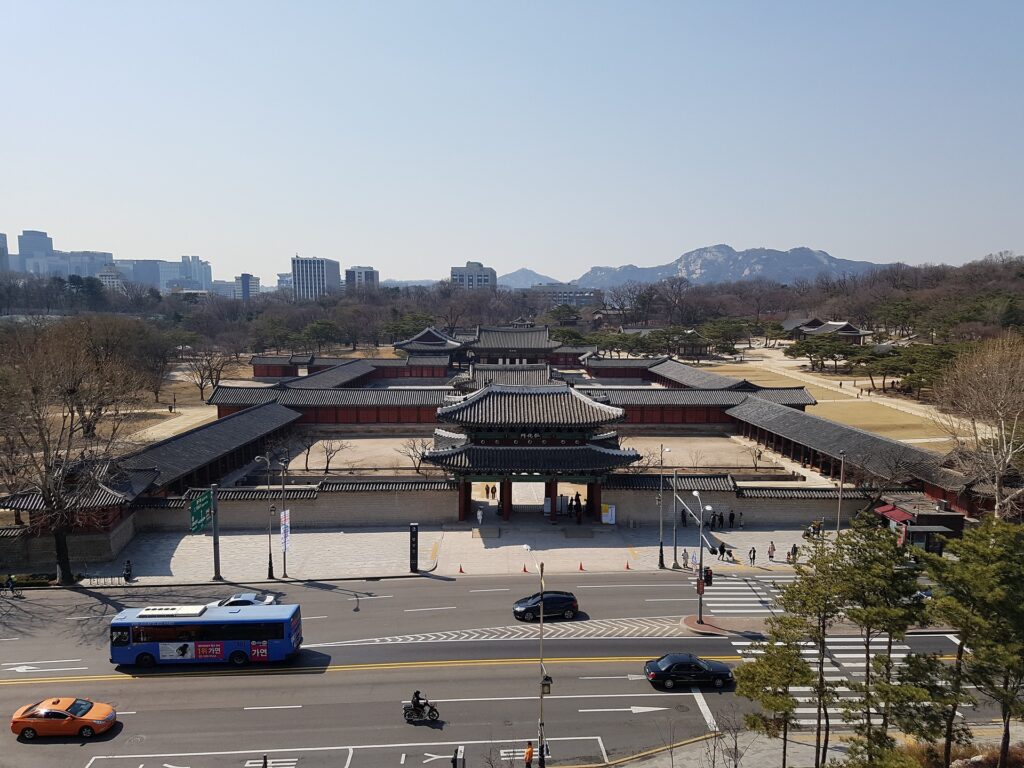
x=642 y=507
x=36 y=553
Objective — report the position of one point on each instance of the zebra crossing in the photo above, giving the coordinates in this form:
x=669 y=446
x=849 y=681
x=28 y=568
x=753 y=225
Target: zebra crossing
x=744 y=595
x=843 y=663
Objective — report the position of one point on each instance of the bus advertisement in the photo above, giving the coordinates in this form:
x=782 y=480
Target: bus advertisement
x=178 y=634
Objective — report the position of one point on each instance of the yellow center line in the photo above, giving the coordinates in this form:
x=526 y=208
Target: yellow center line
x=441 y=664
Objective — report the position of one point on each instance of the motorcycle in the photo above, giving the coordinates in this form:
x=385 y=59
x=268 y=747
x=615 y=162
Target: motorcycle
x=427 y=712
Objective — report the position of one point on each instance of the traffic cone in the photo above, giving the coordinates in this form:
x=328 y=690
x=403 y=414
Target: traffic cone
x=581 y=565
x=627 y=566
x=460 y=568
x=524 y=568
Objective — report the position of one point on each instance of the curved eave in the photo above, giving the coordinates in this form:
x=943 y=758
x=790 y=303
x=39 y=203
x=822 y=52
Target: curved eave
x=514 y=460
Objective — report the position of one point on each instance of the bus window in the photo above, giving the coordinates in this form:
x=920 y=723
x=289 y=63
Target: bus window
x=120 y=636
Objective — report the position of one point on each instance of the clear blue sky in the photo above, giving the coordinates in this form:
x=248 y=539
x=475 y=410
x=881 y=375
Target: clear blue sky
x=554 y=135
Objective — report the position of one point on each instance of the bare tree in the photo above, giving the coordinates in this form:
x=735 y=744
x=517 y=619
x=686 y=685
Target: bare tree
x=755 y=452
x=48 y=378
x=306 y=442
x=983 y=399
x=695 y=457
x=331 y=449
x=205 y=368
x=413 y=449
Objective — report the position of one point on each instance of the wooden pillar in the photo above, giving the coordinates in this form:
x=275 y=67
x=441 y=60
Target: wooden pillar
x=506 y=499
x=594 y=500
x=551 y=493
x=464 y=497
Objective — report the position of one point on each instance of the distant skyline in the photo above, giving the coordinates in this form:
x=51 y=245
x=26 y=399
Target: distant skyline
x=414 y=136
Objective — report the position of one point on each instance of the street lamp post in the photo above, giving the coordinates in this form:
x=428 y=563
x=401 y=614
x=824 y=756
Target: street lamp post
x=700 y=566
x=270 y=519
x=284 y=552
x=675 y=520
x=661 y=504
x=842 y=482
x=545 y=681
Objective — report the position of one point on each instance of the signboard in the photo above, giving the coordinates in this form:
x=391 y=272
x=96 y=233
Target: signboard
x=209 y=650
x=700 y=586
x=258 y=650
x=200 y=511
x=286 y=529
x=608 y=514
x=177 y=651
x=414 y=547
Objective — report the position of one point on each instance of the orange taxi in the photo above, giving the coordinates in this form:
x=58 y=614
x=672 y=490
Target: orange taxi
x=63 y=717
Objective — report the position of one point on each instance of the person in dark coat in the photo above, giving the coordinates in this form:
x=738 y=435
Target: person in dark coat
x=732 y=519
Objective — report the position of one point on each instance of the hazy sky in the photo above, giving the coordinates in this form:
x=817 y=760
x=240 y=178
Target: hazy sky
x=412 y=136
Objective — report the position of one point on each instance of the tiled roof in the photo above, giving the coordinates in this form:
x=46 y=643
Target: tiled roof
x=798 y=322
x=338 y=376
x=880 y=456
x=244 y=396
x=695 y=378
x=32 y=501
x=656 y=396
x=624 y=362
x=182 y=454
x=396 y=485
x=766 y=492
x=553 y=405
x=508 y=459
x=518 y=375
x=513 y=339
x=257 y=494
x=340 y=398
x=280 y=359
x=13 y=531
x=429 y=339
x=416 y=358
x=841 y=328
x=684 y=483
x=161 y=502
x=571 y=350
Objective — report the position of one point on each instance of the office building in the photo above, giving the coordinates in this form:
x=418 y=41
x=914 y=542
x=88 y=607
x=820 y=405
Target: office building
x=197 y=271
x=555 y=294
x=474 y=275
x=313 y=277
x=225 y=288
x=5 y=256
x=284 y=280
x=112 y=279
x=246 y=286
x=361 y=277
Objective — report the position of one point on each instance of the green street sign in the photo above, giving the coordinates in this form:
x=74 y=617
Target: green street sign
x=200 y=511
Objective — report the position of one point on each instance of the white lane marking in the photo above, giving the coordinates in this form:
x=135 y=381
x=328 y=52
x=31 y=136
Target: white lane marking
x=310 y=618
x=444 y=608
x=370 y=597
x=5 y=639
x=279 y=706
x=670 y=600
x=48 y=661
x=634 y=710
x=704 y=709
x=351 y=749
x=566 y=696
x=27 y=668
x=502 y=589
x=642 y=586
x=402 y=760
x=129 y=712
x=616 y=677
x=85 y=618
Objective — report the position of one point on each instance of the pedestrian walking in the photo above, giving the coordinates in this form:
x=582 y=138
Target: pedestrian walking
x=771 y=551
x=752 y=554
x=127 y=572
x=732 y=519
x=479 y=517
x=721 y=550
x=741 y=521
x=686 y=558
x=793 y=552
x=528 y=755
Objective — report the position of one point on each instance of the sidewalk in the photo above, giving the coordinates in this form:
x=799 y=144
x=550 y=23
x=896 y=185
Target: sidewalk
x=496 y=549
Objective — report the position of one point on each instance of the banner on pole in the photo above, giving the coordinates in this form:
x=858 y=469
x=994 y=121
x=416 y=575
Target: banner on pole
x=286 y=528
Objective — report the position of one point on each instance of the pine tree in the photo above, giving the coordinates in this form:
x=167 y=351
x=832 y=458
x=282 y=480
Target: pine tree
x=770 y=678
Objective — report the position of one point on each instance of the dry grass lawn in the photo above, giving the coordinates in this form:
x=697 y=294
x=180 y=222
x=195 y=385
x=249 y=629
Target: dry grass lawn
x=772 y=379
x=879 y=419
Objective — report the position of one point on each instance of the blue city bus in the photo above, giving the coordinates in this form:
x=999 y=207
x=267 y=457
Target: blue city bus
x=188 y=634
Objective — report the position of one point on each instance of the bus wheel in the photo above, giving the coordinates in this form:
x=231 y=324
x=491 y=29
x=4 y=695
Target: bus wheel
x=145 y=660
x=239 y=658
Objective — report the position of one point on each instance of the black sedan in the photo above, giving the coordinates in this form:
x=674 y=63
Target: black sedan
x=674 y=669
x=561 y=604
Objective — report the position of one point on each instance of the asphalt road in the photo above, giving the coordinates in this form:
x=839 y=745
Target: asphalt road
x=368 y=646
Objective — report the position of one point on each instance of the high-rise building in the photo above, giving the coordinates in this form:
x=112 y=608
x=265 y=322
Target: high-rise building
x=361 y=277
x=284 y=280
x=5 y=256
x=313 y=277
x=225 y=288
x=246 y=286
x=197 y=271
x=474 y=275
x=35 y=253
x=112 y=279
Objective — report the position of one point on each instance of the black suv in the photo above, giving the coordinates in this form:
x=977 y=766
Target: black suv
x=561 y=604
x=674 y=669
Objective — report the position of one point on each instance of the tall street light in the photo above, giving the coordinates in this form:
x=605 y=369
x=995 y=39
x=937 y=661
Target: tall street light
x=284 y=552
x=270 y=518
x=842 y=482
x=545 y=681
x=700 y=567
x=675 y=520
x=661 y=504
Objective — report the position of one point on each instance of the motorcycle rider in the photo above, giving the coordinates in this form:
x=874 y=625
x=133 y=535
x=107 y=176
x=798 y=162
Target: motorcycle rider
x=418 y=702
